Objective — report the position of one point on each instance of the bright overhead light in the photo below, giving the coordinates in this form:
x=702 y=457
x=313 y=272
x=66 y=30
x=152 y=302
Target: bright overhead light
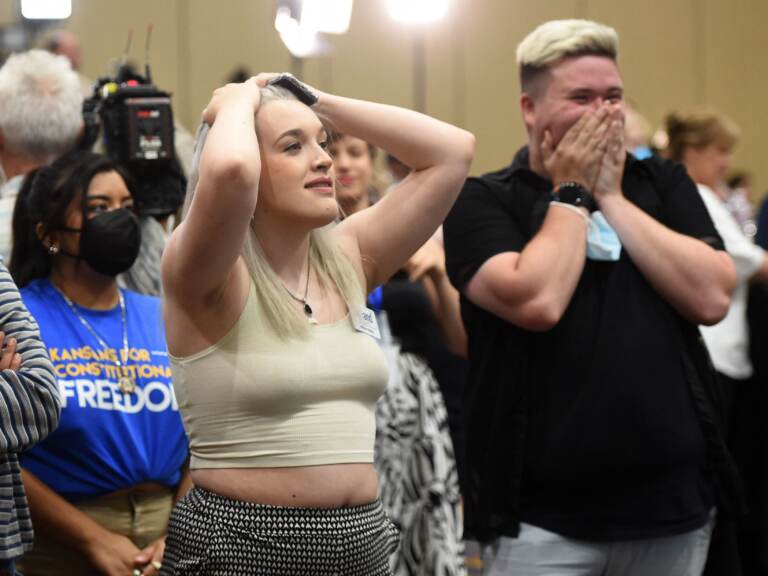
x=301 y=41
x=46 y=9
x=302 y=22
x=417 y=11
x=328 y=16
x=283 y=20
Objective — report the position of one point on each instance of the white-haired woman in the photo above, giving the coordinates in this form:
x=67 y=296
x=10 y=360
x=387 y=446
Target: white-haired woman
x=274 y=367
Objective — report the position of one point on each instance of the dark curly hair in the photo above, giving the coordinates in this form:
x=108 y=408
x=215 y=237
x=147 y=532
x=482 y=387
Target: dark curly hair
x=44 y=197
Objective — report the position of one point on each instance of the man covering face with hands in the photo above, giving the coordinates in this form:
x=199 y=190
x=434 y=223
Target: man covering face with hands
x=584 y=273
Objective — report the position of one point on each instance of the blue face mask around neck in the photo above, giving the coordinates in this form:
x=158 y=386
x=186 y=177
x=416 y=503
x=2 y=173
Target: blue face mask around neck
x=602 y=241
x=642 y=152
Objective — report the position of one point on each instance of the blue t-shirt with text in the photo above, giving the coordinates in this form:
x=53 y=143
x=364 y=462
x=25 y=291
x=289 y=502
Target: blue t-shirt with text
x=107 y=440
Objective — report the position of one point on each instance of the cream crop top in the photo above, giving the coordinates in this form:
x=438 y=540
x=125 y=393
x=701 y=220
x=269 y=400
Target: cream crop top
x=253 y=400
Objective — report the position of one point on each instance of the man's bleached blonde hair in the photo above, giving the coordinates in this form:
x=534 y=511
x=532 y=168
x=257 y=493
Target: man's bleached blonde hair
x=558 y=39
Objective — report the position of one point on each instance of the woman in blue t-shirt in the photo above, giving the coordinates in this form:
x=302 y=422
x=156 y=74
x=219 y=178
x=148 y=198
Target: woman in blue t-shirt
x=102 y=486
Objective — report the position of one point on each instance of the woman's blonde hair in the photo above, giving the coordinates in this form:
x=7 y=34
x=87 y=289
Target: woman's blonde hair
x=326 y=259
x=699 y=129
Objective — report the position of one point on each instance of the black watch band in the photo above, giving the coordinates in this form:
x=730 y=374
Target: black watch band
x=295 y=87
x=574 y=194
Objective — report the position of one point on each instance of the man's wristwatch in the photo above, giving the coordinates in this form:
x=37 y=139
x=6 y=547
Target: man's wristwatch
x=295 y=86
x=574 y=194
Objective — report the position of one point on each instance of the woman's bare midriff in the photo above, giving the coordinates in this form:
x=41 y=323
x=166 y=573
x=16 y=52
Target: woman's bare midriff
x=329 y=486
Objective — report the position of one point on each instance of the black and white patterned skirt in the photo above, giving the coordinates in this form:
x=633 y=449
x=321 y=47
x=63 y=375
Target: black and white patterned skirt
x=212 y=534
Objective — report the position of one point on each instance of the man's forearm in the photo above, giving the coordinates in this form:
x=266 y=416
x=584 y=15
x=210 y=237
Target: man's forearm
x=532 y=289
x=693 y=277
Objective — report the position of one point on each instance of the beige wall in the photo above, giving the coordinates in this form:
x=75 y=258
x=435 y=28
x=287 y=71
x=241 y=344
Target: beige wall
x=7 y=12
x=675 y=54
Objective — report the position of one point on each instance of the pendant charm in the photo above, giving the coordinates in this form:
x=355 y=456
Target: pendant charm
x=307 y=309
x=126 y=385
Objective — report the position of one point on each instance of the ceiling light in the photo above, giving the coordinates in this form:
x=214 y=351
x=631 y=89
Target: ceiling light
x=328 y=16
x=417 y=11
x=46 y=9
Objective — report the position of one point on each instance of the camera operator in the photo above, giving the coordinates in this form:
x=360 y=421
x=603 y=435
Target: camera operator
x=135 y=121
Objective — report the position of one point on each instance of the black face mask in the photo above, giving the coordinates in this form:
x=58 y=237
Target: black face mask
x=110 y=241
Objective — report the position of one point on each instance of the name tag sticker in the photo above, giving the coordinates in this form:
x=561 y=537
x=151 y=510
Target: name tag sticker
x=364 y=320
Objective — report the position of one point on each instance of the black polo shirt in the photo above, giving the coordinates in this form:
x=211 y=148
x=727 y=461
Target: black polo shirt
x=588 y=429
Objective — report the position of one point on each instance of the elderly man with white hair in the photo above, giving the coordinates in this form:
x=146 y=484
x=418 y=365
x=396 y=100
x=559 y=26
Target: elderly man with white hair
x=40 y=120
x=592 y=444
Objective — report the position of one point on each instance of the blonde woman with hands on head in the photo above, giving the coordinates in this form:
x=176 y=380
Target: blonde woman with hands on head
x=274 y=365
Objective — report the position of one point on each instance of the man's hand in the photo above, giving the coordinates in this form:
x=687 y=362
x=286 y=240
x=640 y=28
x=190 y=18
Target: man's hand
x=580 y=152
x=608 y=183
x=9 y=358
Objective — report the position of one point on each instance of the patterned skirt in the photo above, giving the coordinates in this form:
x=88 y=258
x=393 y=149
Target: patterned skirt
x=417 y=470
x=214 y=535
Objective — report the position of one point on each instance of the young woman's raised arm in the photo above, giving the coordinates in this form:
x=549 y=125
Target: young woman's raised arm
x=440 y=156
x=205 y=247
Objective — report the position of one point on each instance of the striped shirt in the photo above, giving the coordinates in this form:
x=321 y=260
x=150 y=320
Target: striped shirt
x=29 y=411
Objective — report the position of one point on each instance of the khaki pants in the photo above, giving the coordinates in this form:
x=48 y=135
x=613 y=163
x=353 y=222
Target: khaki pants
x=142 y=517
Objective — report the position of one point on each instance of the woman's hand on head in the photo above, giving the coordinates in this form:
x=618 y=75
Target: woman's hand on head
x=248 y=92
x=263 y=78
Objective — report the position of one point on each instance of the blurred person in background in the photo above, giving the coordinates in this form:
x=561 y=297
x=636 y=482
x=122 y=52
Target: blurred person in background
x=102 y=486
x=739 y=202
x=40 y=120
x=703 y=140
x=416 y=448
x=64 y=43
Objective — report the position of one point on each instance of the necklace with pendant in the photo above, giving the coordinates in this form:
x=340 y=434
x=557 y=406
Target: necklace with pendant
x=125 y=382
x=308 y=312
